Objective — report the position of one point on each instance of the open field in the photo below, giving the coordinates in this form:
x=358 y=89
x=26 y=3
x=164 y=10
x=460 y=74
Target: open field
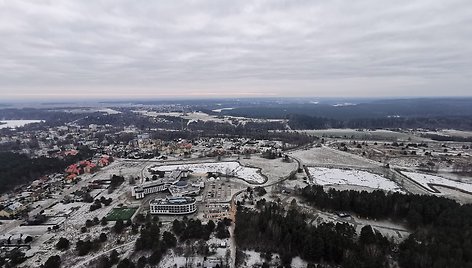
x=429 y=181
x=451 y=133
x=273 y=169
x=121 y=214
x=324 y=156
x=17 y=123
x=380 y=134
x=332 y=176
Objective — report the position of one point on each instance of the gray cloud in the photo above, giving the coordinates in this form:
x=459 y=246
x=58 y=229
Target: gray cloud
x=235 y=48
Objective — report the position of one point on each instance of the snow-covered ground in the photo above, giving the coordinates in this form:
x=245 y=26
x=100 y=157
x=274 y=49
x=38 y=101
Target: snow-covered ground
x=109 y=111
x=380 y=134
x=222 y=109
x=194 y=116
x=427 y=180
x=450 y=132
x=273 y=169
x=334 y=176
x=200 y=116
x=78 y=212
x=17 y=123
x=233 y=168
x=331 y=157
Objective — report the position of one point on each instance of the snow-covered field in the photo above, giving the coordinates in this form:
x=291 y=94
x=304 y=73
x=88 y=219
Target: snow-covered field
x=380 y=134
x=17 y=123
x=332 y=157
x=222 y=109
x=233 y=168
x=200 y=116
x=334 y=176
x=427 y=180
x=274 y=169
x=194 y=116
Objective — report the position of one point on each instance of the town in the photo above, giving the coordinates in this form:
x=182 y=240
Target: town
x=171 y=192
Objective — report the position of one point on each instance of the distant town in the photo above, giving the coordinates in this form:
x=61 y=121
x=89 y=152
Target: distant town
x=205 y=184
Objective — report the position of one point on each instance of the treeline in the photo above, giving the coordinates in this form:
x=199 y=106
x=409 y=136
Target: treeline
x=419 y=108
x=272 y=229
x=442 y=236
x=300 y=121
x=188 y=229
x=437 y=137
x=235 y=126
x=17 y=169
x=416 y=210
x=123 y=119
x=284 y=136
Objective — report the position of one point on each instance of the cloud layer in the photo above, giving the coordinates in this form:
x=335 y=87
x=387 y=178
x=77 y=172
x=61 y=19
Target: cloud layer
x=124 y=49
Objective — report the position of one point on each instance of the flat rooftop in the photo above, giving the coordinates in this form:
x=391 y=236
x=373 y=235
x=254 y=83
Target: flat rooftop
x=173 y=201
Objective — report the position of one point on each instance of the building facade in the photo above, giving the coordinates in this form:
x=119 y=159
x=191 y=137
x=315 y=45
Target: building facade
x=173 y=206
x=161 y=184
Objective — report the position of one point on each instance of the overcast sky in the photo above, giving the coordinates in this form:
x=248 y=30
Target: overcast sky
x=139 y=49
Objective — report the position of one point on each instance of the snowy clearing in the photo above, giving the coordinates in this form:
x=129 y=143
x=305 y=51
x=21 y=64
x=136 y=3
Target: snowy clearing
x=17 y=123
x=428 y=181
x=222 y=109
x=251 y=175
x=334 y=176
x=273 y=169
x=332 y=157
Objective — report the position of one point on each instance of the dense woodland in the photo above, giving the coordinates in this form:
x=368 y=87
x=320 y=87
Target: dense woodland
x=17 y=169
x=441 y=228
x=345 y=110
x=442 y=234
x=273 y=229
x=298 y=121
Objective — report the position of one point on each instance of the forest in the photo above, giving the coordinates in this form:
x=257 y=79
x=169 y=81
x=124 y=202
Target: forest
x=441 y=227
x=454 y=113
x=441 y=234
x=17 y=169
x=300 y=121
x=358 y=109
x=273 y=229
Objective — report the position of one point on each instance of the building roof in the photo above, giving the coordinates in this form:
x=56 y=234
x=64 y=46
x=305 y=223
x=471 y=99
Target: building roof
x=173 y=201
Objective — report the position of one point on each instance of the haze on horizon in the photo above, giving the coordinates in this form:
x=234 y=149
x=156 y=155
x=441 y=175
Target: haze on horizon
x=213 y=49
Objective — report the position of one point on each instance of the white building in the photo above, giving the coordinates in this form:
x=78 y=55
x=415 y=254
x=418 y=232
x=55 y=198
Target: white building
x=173 y=206
x=159 y=185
